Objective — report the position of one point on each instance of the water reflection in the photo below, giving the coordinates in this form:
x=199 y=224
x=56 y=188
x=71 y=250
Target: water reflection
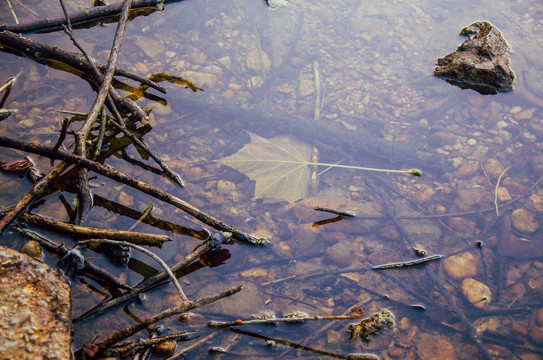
x=365 y=68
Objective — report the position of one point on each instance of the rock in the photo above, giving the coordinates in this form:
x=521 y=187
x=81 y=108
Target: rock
x=340 y=254
x=539 y=316
x=536 y=335
x=434 y=347
x=440 y=138
x=461 y=266
x=36 y=309
x=480 y=63
x=150 y=47
x=258 y=61
x=476 y=293
x=524 y=220
x=32 y=248
x=462 y=225
x=225 y=186
x=306 y=87
x=503 y=194
x=200 y=79
x=535 y=202
x=254 y=273
x=473 y=198
x=465 y=171
x=165 y=348
x=493 y=168
x=192 y=318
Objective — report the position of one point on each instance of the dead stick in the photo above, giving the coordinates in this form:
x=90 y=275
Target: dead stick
x=83 y=16
x=337 y=212
x=90 y=233
x=130 y=181
x=36 y=191
x=290 y=320
x=123 y=334
x=407 y=263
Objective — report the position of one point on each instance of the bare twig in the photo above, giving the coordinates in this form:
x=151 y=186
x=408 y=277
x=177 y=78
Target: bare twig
x=36 y=191
x=123 y=334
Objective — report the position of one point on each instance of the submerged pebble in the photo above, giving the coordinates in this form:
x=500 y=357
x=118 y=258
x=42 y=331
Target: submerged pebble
x=32 y=248
x=524 y=220
x=461 y=266
x=476 y=293
x=165 y=348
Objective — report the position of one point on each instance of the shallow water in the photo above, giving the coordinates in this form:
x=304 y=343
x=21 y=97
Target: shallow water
x=365 y=67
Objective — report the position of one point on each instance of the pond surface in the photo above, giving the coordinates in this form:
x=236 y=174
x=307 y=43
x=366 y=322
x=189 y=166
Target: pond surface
x=319 y=73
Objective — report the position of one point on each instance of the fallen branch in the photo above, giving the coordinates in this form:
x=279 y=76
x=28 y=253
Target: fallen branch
x=80 y=17
x=94 y=233
x=133 y=182
x=37 y=190
x=123 y=334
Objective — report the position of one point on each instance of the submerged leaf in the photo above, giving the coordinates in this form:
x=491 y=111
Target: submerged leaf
x=278 y=166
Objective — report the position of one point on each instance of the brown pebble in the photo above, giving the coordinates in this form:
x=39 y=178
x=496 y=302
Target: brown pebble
x=192 y=318
x=404 y=324
x=32 y=248
x=518 y=329
x=493 y=168
x=441 y=138
x=536 y=335
x=396 y=352
x=462 y=225
x=524 y=220
x=404 y=342
x=165 y=348
x=465 y=171
x=539 y=316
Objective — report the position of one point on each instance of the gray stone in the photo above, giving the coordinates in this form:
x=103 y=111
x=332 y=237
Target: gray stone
x=480 y=63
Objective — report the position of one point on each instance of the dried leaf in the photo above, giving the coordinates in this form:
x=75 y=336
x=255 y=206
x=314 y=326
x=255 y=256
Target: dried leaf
x=278 y=166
